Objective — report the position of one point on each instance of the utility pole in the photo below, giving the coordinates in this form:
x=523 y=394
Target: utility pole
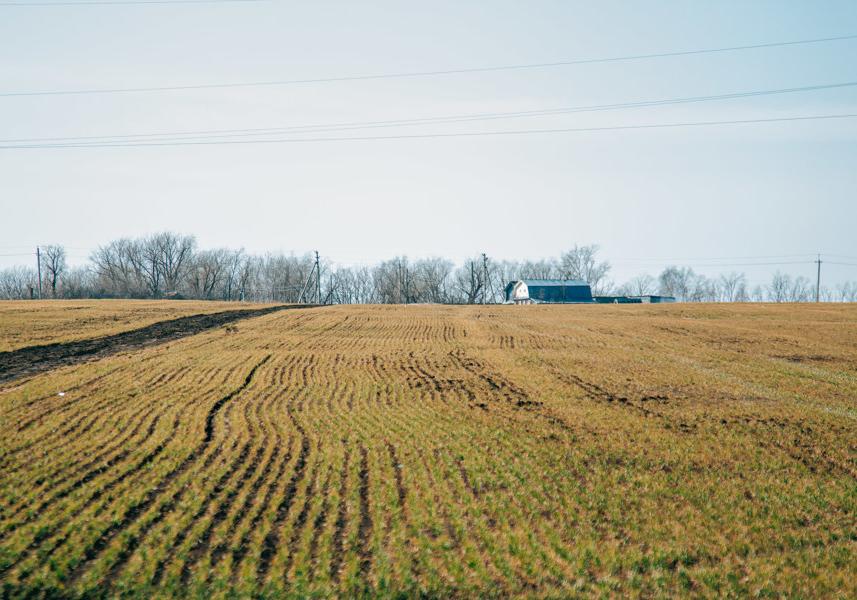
x=39 y=269
x=473 y=285
x=485 y=277
x=317 y=279
x=818 y=279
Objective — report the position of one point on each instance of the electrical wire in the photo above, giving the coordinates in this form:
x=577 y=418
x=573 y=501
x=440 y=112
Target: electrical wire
x=435 y=73
x=717 y=258
x=129 y=2
x=435 y=135
x=841 y=256
x=747 y=264
x=322 y=128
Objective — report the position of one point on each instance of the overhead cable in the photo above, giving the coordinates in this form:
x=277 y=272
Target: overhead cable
x=410 y=74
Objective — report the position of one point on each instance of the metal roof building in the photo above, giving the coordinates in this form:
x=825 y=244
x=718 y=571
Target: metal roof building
x=558 y=291
x=654 y=299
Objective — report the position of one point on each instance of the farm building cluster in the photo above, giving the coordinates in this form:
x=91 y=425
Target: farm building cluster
x=567 y=291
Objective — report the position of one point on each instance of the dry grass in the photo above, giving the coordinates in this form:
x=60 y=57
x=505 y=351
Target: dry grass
x=29 y=323
x=468 y=451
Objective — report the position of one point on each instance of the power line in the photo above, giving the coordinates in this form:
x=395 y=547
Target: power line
x=322 y=128
x=701 y=266
x=43 y=244
x=760 y=257
x=129 y=2
x=842 y=256
x=695 y=262
x=436 y=135
x=435 y=73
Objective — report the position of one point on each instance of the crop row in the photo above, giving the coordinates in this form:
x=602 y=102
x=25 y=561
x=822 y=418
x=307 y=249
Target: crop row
x=434 y=449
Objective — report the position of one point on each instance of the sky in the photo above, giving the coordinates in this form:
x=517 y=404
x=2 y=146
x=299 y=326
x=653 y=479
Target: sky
x=718 y=198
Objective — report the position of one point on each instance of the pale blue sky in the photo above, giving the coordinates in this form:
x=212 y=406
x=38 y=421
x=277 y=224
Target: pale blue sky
x=752 y=190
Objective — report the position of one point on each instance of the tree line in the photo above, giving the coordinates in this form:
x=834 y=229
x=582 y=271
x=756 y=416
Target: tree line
x=170 y=265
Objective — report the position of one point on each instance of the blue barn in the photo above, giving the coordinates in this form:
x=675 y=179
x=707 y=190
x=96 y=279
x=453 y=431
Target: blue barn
x=556 y=291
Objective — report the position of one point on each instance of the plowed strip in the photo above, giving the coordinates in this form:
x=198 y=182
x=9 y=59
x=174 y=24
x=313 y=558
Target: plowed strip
x=37 y=359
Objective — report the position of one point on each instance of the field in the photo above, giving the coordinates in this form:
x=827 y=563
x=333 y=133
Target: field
x=540 y=451
x=28 y=323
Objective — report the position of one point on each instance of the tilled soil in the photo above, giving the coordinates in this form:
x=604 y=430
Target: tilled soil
x=443 y=451
x=38 y=359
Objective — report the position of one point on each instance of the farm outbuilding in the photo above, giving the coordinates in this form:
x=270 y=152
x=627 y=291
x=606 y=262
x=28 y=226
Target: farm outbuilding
x=554 y=291
x=654 y=299
x=568 y=291
x=617 y=300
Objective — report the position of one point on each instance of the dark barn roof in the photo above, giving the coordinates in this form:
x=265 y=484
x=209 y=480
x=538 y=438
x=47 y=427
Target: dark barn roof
x=554 y=290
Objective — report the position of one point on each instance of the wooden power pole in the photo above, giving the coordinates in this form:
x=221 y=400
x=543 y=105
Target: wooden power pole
x=39 y=269
x=317 y=279
x=818 y=279
x=486 y=276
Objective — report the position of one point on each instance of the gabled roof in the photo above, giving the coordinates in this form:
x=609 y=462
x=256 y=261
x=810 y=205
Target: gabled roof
x=562 y=291
x=554 y=282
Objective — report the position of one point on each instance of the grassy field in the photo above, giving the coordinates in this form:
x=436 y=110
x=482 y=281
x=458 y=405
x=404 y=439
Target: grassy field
x=449 y=451
x=28 y=323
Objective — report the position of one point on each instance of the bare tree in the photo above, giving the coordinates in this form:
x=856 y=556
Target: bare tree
x=430 y=280
x=207 y=271
x=847 y=292
x=144 y=267
x=731 y=286
x=232 y=278
x=53 y=266
x=496 y=282
x=351 y=286
x=758 y=294
x=780 y=287
x=116 y=269
x=174 y=254
x=467 y=282
x=702 y=289
x=539 y=269
x=676 y=282
x=393 y=281
x=246 y=272
x=581 y=263
x=341 y=283
x=290 y=276
x=800 y=290
x=79 y=282
x=145 y=257
x=18 y=283
x=742 y=294
x=641 y=285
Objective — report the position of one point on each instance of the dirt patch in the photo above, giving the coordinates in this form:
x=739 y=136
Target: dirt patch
x=38 y=359
x=799 y=358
